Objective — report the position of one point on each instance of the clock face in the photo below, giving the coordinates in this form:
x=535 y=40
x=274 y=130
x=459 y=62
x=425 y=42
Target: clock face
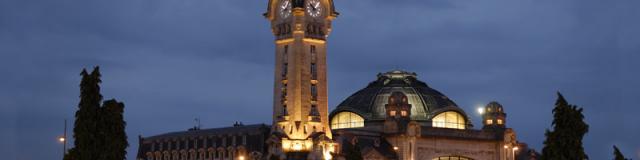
x=285 y=8
x=314 y=8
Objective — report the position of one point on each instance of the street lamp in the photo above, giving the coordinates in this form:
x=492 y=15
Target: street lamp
x=63 y=139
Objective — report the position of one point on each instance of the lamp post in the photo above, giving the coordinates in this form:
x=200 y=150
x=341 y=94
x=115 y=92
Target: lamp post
x=514 y=152
x=63 y=139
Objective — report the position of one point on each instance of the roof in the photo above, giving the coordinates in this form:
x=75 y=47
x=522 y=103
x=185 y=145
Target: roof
x=245 y=129
x=369 y=102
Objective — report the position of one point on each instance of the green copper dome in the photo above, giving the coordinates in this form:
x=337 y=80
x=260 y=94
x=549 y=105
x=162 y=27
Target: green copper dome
x=369 y=102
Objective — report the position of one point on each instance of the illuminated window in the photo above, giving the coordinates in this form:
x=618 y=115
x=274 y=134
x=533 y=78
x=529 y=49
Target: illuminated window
x=346 y=120
x=452 y=158
x=392 y=113
x=449 y=119
x=500 y=121
x=489 y=121
x=403 y=113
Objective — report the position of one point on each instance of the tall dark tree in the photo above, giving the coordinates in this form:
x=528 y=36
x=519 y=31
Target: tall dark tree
x=113 y=130
x=99 y=132
x=565 y=141
x=352 y=151
x=85 y=130
x=618 y=155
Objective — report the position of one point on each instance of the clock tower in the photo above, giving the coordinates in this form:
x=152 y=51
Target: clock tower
x=300 y=113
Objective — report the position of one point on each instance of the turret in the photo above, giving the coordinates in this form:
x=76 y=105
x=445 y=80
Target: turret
x=494 y=116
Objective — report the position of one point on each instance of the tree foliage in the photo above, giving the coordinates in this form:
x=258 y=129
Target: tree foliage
x=618 y=155
x=113 y=130
x=565 y=141
x=99 y=131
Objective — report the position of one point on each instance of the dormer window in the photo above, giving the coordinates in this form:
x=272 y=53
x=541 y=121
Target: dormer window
x=500 y=121
x=346 y=120
x=449 y=119
x=490 y=121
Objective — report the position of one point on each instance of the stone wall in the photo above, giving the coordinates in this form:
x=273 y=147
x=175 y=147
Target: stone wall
x=433 y=147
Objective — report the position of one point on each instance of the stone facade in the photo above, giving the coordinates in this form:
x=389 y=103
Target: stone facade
x=231 y=143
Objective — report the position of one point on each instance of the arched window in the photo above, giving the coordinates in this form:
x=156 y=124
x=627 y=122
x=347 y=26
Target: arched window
x=449 y=119
x=346 y=120
x=452 y=158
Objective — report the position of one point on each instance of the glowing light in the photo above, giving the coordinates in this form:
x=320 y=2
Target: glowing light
x=480 y=110
x=505 y=146
x=241 y=158
x=395 y=148
x=61 y=139
x=297 y=146
x=515 y=148
x=327 y=156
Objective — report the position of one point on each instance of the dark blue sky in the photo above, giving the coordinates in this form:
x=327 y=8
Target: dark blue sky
x=171 y=61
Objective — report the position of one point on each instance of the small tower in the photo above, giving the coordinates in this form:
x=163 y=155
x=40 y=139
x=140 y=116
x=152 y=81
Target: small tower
x=494 y=116
x=398 y=113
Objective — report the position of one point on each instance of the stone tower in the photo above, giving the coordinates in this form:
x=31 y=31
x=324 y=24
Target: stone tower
x=300 y=112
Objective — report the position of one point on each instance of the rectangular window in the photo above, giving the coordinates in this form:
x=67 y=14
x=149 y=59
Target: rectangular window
x=403 y=113
x=285 y=61
x=500 y=121
x=174 y=145
x=233 y=141
x=314 y=71
x=313 y=54
x=209 y=142
x=489 y=121
x=314 y=92
x=392 y=113
x=244 y=140
x=166 y=145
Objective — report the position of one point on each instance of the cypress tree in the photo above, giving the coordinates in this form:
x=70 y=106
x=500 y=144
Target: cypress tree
x=99 y=132
x=113 y=130
x=565 y=141
x=618 y=155
x=86 y=124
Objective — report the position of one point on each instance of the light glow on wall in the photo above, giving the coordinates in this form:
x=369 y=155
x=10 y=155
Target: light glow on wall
x=296 y=145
